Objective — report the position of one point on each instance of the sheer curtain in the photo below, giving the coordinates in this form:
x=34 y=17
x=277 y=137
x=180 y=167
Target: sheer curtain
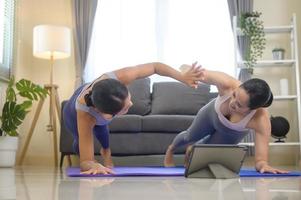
x=171 y=31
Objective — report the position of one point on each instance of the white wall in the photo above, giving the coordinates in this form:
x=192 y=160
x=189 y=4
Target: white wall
x=29 y=14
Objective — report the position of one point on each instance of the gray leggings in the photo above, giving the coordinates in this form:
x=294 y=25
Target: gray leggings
x=206 y=128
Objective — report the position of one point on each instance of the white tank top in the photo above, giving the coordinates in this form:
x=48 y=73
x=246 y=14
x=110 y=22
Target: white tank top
x=237 y=126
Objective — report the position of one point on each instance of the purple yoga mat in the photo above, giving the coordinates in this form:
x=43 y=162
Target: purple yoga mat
x=132 y=171
x=170 y=171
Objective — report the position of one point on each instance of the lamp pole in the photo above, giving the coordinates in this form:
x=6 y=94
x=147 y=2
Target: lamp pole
x=56 y=40
x=52 y=119
x=54 y=104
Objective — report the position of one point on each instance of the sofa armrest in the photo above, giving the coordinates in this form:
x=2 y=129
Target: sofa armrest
x=66 y=139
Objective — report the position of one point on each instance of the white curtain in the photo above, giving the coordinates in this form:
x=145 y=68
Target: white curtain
x=171 y=31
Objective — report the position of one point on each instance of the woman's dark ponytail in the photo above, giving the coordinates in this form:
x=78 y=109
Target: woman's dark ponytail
x=88 y=99
x=269 y=101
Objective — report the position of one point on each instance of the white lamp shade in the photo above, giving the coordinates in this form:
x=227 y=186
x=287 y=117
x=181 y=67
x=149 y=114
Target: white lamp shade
x=49 y=40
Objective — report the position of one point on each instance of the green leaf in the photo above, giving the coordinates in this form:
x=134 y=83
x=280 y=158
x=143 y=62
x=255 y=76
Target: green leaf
x=13 y=113
x=11 y=81
x=10 y=92
x=13 y=133
x=12 y=116
x=30 y=90
x=26 y=105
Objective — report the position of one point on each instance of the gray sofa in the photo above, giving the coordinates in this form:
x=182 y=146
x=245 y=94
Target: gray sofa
x=157 y=116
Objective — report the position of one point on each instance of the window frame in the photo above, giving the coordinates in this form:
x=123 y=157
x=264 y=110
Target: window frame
x=8 y=39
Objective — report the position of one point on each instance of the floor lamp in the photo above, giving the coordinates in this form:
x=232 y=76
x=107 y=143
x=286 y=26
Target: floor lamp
x=51 y=43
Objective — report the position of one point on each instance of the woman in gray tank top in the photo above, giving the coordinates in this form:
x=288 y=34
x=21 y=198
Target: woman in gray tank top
x=239 y=108
x=92 y=107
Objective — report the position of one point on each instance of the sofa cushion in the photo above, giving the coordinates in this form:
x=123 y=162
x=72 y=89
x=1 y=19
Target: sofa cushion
x=177 y=98
x=126 y=123
x=166 y=123
x=124 y=144
x=141 y=97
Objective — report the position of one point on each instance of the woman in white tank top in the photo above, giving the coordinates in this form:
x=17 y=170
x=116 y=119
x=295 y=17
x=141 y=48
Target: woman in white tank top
x=238 y=108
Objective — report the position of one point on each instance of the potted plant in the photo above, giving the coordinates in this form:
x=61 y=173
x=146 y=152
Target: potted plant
x=278 y=53
x=252 y=27
x=13 y=113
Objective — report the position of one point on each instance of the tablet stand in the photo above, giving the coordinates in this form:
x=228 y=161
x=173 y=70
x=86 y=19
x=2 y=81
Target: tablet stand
x=214 y=170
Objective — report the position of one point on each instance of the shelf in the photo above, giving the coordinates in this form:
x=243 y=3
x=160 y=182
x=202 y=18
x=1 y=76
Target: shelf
x=274 y=29
x=290 y=66
x=278 y=29
x=273 y=143
x=269 y=63
x=273 y=190
x=286 y=97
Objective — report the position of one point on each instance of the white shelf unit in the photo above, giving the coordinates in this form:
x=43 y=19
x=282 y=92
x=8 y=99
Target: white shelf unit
x=292 y=63
x=269 y=63
x=273 y=144
x=273 y=29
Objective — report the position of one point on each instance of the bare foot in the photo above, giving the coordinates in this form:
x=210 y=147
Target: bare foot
x=107 y=158
x=168 y=160
x=187 y=155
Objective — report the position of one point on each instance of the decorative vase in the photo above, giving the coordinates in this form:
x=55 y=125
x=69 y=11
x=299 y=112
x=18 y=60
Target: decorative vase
x=278 y=54
x=284 y=86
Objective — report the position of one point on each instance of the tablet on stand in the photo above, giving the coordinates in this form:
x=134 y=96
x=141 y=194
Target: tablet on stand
x=215 y=161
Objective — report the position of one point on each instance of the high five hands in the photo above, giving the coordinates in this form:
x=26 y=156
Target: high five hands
x=192 y=74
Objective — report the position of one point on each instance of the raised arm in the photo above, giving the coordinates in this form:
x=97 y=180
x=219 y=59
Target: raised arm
x=129 y=74
x=222 y=81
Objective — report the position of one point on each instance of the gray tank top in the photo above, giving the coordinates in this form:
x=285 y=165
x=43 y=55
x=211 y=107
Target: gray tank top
x=238 y=126
x=100 y=121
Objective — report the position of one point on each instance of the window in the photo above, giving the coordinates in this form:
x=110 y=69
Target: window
x=6 y=36
x=174 y=32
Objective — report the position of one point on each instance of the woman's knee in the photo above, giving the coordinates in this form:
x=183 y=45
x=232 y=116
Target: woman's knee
x=187 y=137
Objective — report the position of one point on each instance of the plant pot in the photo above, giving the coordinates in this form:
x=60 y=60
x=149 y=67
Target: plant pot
x=8 y=149
x=278 y=55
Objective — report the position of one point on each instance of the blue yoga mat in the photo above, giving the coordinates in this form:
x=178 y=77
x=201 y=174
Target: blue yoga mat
x=162 y=171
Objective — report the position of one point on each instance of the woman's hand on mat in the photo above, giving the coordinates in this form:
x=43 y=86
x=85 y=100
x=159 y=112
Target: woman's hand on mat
x=263 y=167
x=92 y=167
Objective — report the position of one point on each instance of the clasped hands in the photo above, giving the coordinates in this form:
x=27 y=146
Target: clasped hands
x=193 y=74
